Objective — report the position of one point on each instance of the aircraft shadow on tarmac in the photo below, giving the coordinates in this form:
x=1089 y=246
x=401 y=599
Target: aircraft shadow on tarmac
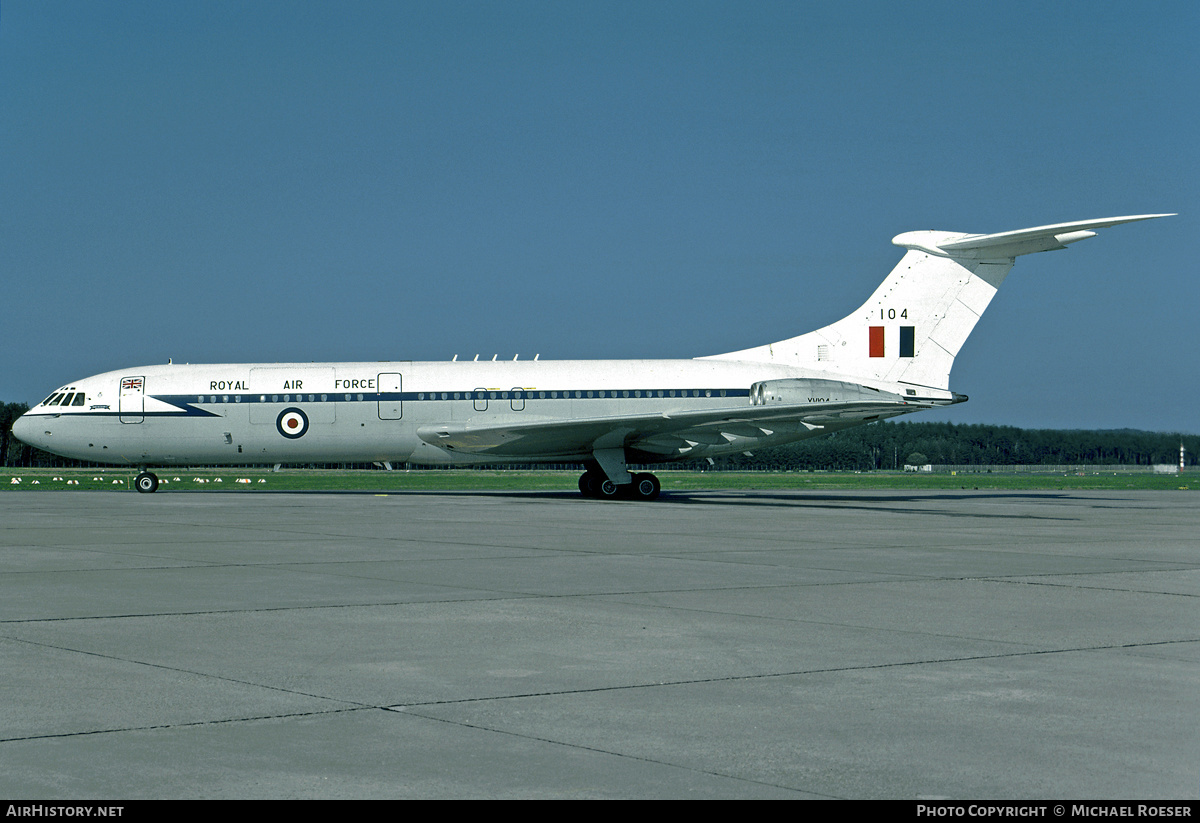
x=892 y=501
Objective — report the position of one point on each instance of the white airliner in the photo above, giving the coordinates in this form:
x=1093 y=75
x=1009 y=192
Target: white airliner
x=890 y=357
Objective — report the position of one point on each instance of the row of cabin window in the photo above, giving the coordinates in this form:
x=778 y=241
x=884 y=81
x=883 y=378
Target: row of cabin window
x=475 y=395
x=262 y=398
x=554 y=395
x=65 y=399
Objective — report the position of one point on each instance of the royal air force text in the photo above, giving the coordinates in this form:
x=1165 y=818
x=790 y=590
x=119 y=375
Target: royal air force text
x=291 y=385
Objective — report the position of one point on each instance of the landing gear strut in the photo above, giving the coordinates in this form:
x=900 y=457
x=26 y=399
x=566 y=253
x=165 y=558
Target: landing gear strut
x=594 y=484
x=146 y=482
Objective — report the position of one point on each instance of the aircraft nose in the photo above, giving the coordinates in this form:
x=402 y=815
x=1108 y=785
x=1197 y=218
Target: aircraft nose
x=25 y=429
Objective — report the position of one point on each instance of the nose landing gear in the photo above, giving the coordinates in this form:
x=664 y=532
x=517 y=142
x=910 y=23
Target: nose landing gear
x=146 y=482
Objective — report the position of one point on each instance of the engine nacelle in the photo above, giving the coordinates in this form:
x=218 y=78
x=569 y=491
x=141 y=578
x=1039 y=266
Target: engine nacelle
x=801 y=390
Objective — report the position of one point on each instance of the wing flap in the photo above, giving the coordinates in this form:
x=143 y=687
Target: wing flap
x=661 y=433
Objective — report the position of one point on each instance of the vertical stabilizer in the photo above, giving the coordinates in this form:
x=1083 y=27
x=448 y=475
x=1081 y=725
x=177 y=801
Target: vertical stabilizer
x=913 y=326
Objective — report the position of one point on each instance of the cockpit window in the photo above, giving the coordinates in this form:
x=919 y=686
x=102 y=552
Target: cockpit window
x=80 y=399
x=68 y=398
x=53 y=401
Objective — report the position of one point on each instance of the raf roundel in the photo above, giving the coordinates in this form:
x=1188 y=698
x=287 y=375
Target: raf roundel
x=292 y=423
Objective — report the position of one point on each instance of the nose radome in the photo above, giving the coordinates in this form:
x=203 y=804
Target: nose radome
x=26 y=430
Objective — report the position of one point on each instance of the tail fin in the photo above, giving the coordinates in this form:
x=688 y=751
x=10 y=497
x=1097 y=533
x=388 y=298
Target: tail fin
x=914 y=324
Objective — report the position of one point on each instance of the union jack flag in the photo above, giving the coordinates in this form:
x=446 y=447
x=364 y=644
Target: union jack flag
x=131 y=384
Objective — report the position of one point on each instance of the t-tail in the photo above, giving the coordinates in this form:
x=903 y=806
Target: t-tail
x=912 y=327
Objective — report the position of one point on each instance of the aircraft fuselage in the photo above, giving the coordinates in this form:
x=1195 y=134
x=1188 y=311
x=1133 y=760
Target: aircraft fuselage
x=382 y=411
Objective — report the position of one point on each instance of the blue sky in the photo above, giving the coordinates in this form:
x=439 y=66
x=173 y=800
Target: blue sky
x=261 y=181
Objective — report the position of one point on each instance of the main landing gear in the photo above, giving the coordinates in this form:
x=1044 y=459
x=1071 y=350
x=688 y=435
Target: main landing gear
x=595 y=484
x=146 y=482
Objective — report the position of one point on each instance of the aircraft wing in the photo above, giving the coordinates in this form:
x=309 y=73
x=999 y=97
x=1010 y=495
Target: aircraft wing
x=666 y=433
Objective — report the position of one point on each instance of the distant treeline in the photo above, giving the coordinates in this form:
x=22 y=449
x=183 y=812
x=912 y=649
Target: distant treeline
x=881 y=445
x=888 y=445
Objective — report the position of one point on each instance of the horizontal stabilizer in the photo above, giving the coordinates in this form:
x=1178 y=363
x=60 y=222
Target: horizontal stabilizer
x=1009 y=244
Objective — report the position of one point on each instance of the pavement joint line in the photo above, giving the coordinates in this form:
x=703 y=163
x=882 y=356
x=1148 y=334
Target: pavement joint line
x=189 y=724
x=797 y=673
x=611 y=753
x=193 y=672
x=507 y=595
x=1127 y=590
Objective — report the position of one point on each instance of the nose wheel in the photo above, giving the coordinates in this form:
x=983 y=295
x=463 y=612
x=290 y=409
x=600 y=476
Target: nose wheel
x=146 y=482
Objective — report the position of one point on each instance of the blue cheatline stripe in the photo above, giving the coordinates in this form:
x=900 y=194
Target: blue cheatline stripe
x=186 y=404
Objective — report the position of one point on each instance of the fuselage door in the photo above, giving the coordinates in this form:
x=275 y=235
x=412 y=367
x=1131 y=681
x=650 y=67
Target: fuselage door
x=132 y=402
x=390 y=407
